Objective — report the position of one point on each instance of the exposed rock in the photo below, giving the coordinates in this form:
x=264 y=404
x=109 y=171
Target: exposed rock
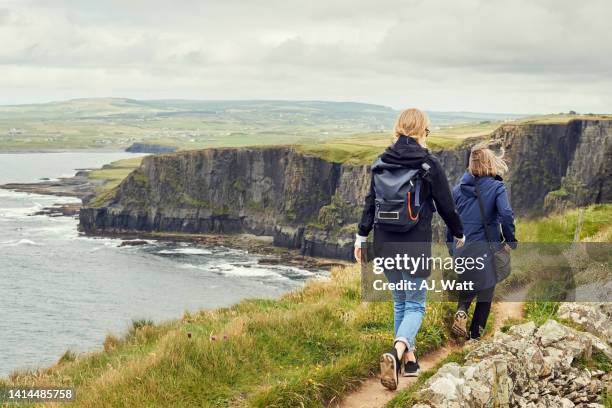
x=523 y=368
x=594 y=317
x=150 y=148
x=60 y=210
x=133 y=242
x=523 y=330
x=79 y=186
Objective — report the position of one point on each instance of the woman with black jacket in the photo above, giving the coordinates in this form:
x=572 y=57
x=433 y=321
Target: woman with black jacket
x=409 y=151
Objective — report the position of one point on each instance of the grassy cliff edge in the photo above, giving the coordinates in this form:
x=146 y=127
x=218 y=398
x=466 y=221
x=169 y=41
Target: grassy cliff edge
x=305 y=349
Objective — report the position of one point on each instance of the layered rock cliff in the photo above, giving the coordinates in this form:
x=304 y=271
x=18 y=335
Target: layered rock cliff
x=308 y=203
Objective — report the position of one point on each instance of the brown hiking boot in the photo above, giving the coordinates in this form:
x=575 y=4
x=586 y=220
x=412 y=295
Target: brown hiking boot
x=459 y=330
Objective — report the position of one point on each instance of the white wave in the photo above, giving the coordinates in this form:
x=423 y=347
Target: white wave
x=19 y=212
x=45 y=199
x=233 y=269
x=14 y=243
x=292 y=270
x=105 y=242
x=185 y=251
x=222 y=250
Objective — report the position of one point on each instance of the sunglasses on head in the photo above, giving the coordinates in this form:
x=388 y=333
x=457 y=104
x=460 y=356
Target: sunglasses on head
x=427 y=132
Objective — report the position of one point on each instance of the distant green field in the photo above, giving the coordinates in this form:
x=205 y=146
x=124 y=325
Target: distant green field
x=115 y=123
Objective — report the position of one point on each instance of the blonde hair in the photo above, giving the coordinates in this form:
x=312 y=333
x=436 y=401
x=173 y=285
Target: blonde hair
x=412 y=122
x=483 y=162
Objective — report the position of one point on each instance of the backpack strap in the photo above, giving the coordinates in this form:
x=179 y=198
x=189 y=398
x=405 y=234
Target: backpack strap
x=482 y=214
x=425 y=172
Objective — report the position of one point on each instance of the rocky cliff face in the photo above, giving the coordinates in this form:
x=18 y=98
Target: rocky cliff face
x=308 y=203
x=556 y=166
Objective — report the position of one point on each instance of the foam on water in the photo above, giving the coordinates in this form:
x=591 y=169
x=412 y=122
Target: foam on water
x=244 y=269
x=185 y=251
x=14 y=243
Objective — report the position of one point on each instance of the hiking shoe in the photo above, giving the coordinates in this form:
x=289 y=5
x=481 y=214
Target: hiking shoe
x=459 y=325
x=389 y=369
x=412 y=368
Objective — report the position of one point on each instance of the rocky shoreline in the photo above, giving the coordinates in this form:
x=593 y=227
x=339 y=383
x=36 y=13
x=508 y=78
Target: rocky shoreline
x=79 y=186
x=259 y=245
x=82 y=187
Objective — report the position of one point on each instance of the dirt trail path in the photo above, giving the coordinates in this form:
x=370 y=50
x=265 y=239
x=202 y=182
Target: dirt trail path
x=371 y=394
x=510 y=307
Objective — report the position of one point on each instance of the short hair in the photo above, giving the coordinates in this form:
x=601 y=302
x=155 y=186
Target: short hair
x=484 y=162
x=412 y=122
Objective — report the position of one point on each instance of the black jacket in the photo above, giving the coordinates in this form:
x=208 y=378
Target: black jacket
x=407 y=152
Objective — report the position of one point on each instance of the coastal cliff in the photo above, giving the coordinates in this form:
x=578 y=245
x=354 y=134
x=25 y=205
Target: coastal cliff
x=312 y=204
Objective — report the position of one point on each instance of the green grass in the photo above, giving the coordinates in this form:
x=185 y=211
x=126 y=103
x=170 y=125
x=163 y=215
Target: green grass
x=304 y=349
x=112 y=174
x=341 y=152
x=561 y=118
x=545 y=252
x=540 y=312
x=365 y=148
x=116 y=170
x=597 y=220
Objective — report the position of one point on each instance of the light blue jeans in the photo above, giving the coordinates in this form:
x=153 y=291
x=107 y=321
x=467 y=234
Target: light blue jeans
x=408 y=308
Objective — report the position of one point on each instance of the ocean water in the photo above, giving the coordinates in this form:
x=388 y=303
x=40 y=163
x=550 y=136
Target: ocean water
x=60 y=290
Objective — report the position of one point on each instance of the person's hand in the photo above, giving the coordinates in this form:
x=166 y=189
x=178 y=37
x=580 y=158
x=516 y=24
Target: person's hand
x=507 y=248
x=358 y=254
x=459 y=242
x=359 y=241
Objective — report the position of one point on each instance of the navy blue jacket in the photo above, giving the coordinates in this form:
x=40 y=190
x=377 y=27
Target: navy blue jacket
x=498 y=212
x=498 y=215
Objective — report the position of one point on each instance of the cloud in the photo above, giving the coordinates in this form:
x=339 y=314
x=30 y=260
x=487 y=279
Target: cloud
x=511 y=37
x=520 y=56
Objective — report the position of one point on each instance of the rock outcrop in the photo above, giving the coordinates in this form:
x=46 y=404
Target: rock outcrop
x=594 y=317
x=525 y=367
x=150 y=148
x=309 y=203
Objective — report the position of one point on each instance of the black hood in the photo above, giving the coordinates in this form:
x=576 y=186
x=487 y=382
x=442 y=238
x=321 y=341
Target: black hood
x=405 y=152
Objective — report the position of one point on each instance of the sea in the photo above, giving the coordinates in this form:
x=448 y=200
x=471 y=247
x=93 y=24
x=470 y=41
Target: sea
x=60 y=290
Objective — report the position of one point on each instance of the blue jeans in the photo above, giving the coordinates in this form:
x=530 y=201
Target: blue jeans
x=408 y=308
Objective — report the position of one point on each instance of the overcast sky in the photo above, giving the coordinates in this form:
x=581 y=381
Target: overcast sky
x=522 y=56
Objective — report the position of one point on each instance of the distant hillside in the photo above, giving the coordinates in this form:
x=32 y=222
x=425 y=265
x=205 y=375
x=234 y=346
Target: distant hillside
x=115 y=123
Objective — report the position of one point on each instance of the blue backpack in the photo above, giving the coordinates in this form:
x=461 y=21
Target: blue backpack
x=398 y=195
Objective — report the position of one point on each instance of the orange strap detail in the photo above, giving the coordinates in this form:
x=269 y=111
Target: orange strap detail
x=413 y=218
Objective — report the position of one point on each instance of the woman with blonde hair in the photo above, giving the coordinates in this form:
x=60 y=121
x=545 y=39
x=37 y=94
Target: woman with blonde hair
x=408 y=185
x=482 y=202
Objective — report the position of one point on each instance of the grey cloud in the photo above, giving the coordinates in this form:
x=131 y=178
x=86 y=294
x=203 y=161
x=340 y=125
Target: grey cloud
x=486 y=55
x=529 y=37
